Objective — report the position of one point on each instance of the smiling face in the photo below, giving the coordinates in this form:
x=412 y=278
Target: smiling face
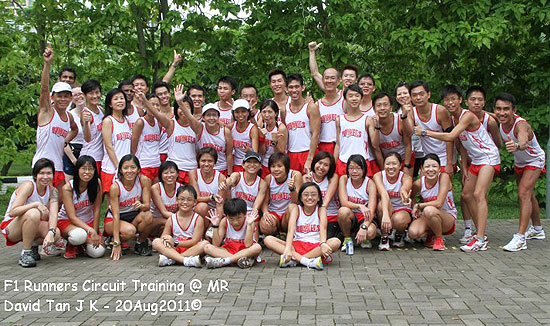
x=93 y=97
x=382 y=108
x=504 y=111
x=402 y=95
x=452 y=102
x=295 y=90
x=86 y=172
x=331 y=79
x=140 y=86
x=321 y=167
x=186 y=201
x=278 y=170
x=252 y=166
x=129 y=170
x=392 y=166
x=164 y=96
x=211 y=117
x=430 y=168
x=367 y=85
x=241 y=115
x=355 y=171
x=206 y=163
x=353 y=99
x=78 y=97
x=62 y=100
x=197 y=96
x=118 y=102
x=349 y=77
x=129 y=91
x=67 y=77
x=169 y=176
x=277 y=84
x=44 y=176
x=310 y=197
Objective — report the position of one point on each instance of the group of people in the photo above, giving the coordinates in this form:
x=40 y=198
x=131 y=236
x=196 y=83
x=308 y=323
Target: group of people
x=207 y=183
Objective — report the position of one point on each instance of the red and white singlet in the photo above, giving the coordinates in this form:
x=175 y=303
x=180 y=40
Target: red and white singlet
x=225 y=115
x=216 y=141
x=245 y=191
x=332 y=209
x=207 y=189
x=94 y=148
x=83 y=207
x=485 y=120
x=354 y=138
x=127 y=197
x=133 y=117
x=279 y=195
x=299 y=134
x=328 y=113
x=34 y=197
x=431 y=145
x=430 y=194
x=308 y=227
x=164 y=138
x=269 y=141
x=394 y=192
x=479 y=145
x=121 y=140
x=533 y=155
x=50 y=140
x=79 y=139
x=181 y=233
x=241 y=139
x=148 y=145
x=181 y=147
x=393 y=141
x=168 y=200
x=359 y=195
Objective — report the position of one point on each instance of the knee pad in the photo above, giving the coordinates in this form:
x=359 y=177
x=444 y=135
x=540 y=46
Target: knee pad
x=95 y=252
x=77 y=236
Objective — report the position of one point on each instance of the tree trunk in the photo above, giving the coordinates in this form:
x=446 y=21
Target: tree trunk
x=164 y=36
x=6 y=168
x=140 y=34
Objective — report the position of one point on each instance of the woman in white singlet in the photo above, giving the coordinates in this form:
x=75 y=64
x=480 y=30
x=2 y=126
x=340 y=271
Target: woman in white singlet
x=244 y=133
x=129 y=208
x=31 y=215
x=437 y=207
x=273 y=134
x=306 y=241
x=92 y=122
x=357 y=194
x=146 y=134
x=181 y=240
x=282 y=190
x=78 y=219
x=163 y=196
x=72 y=152
x=394 y=208
x=117 y=136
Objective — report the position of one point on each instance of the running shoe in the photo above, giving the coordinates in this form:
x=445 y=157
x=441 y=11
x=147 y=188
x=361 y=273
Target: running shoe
x=245 y=262
x=193 y=261
x=165 y=261
x=516 y=244
x=532 y=233
x=35 y=253
x=476 y=244
x=468 y=234
x=26 y=259
x=429 y=241
x=366 y=244
x=399 y=241
x=212 y=262
x=283 y=263
x=315 y=263
x=70 y=251
x=439 y=244
x=384 y=244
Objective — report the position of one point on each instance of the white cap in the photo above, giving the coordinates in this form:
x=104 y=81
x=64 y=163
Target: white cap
x=210 y=106
x=61 y=87
x=240 y=103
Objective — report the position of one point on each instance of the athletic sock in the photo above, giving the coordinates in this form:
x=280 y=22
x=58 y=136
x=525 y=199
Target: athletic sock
x=468 y=224
x=522 y=237
x=538 y=228
x=226 y=261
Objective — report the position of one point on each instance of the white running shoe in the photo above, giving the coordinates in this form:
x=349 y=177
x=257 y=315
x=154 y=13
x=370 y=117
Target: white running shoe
x=384 y=244
x=366 y=244
x=284 y=264
x=316 y=263
x=476 y=244
x=534 y=234
x=468 y=234
x=212 y=262
x=516 y=244
x=165 y=261
x=193 y=261
x=245 y=262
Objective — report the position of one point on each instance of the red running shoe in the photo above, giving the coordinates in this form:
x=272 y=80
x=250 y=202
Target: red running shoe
x=70 y=251
x=439 y=244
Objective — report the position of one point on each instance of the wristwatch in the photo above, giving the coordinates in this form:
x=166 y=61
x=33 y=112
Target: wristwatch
x=116 y=243
x=274 y=143
x=518 y=147
x=176 y=242
x=292 y=188
x=423 y=133
x=52 y=230
x=407 y=165
x=403 y=117
x=364 y=226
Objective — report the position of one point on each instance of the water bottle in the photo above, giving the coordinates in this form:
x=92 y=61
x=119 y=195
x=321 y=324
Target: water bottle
x=349 y=248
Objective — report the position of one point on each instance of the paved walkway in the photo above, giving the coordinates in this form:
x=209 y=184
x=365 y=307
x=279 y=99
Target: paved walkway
x=412 y=286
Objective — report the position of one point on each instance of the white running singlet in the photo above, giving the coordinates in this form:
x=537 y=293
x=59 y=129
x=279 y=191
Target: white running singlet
x=169 y=201
x=79 y=139
x=279 y=195
x=328 y=113
x=127 y=197
x=479 y=145
x=332 y=209
x=533 y=155
x=393 y=141
x=431 y=145
x=225 y=115
x=354 y=138
x=394 y=192
x=50 y=140
x=299 y=134
x=133 y=117
x=34 y=197
x=269 y=141
x=245 y=191
x=359 y=195
x=207 y=189
x=181 y=147
x=148 y=145
x=430 y=194
x=241 y=140
x=94 y=148
x=181 y=233
x=308 y=227
x=217 y=142
x=121 y=140
x=83 y=207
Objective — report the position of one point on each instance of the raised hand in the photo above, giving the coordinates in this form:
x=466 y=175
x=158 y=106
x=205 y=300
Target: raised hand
x=177 y=58
x=251 y=216
x=48 y=53
x=179 y=93
x=213 y=217
x=313 y=46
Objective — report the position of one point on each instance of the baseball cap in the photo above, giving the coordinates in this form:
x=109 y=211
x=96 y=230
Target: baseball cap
x=210 y=106
x=251 y=154
x=61 y=87
x=240 y=103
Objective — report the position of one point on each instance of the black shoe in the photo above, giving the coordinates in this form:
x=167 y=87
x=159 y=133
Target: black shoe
x=146 y=249
x=26 y=259
x=35 y=253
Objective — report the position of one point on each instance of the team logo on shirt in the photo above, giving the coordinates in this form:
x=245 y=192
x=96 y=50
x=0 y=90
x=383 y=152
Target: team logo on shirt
x=124 y=136
x=356 y=200
x=306 y=228
x=185 y=139
x=59 y=132
x=130 y=201
x=295 y=125
x=245 y=196
x=81 y=204
x=352 y=133
x=217 y=147
x=281 y=196
x=328 y=117
x=225 y=121
x=172 y=208
x=390 y=144
x=241 y=144
x=394 y=194
x=151 y=137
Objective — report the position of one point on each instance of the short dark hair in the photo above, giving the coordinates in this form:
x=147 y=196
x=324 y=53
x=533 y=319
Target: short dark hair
x=354 y=88
x=125 y=82
x=475 y=88
x=228 y=80
x=359 y=160
x=249 y=86
x=124 y=159
x=297 y=77
x=351 y=67
x=109 y=97
x=418 y=83
x=451 y=89
x=304 y=187
x=207 y=150
x=165 y=166
x=431 y=156
x=380 y=96
x=321 y=156
x=402 y=84
x=90 y=85
x=42 y=163
x=136 y=77
x=279 y=157
x=234 y=206
x=197 y=87
x=367 y=75
x=190 y=189
x=160 y=84
x=69 y=69
x=272 y=104
x=275 y=72
x=507 y=97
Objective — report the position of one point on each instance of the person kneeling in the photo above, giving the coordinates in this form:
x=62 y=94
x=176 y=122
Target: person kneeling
x=181 y=239
x=237 y=231
x=306 y=241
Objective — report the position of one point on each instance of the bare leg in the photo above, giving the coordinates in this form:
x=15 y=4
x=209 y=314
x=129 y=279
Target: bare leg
x=484 y=179
x=525 y=195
